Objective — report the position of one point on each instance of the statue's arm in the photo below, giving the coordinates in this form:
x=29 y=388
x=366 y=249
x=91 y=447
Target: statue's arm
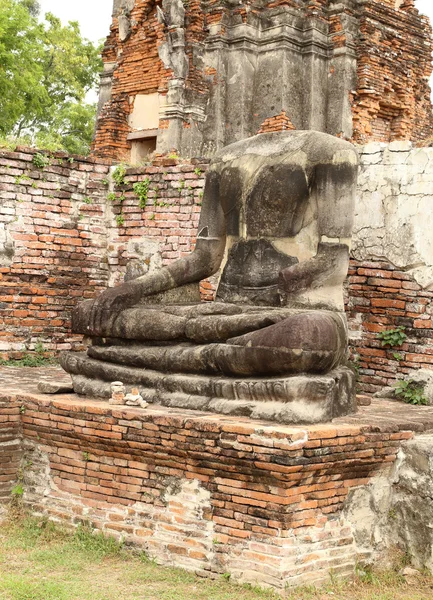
x=335 y=189
x=203 y=262
x=328 y=267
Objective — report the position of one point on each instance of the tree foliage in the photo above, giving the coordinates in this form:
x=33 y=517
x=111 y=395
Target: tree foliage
x=46 y=70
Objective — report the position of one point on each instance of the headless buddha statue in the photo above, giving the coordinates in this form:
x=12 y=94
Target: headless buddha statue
x=276 y=221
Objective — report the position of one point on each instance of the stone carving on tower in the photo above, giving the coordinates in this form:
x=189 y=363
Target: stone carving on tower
x=195 y=77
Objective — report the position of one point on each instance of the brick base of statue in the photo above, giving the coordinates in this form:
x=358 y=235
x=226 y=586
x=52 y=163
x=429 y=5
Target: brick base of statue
x=269 y=504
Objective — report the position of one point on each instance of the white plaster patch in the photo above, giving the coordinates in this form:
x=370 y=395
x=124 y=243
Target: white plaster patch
x=393 y=219
x=6 y=246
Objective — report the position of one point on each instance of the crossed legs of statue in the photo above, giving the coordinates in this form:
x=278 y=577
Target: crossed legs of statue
x=224 y=338
x=266 y=362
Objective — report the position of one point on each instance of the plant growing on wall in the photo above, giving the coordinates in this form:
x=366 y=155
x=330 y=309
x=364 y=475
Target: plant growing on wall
x=411 y=392
x=40 y=160
x=22 y=178
x=120 y=218
x=118 y=175
x=393 y=337
x=141 y=189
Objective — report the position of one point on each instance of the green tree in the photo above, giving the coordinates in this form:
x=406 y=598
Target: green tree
x=46 y=70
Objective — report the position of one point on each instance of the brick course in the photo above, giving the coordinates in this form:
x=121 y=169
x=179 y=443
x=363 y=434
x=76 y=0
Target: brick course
x=392 y=100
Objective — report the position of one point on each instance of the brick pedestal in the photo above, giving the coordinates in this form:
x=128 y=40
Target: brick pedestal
x=212 y=494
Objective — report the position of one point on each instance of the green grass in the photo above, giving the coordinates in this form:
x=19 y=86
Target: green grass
x=40 y=561
x=30 y=360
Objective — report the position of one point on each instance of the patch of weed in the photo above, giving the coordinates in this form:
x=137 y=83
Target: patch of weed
x=40 y=160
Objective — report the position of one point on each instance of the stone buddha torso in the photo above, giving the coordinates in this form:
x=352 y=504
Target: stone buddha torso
x=272 y=218
x=263 y=223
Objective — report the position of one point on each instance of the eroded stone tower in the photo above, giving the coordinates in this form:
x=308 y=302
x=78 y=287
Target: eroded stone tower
x=196 y=75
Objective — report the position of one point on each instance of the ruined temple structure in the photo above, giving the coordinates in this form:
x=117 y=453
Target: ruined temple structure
x=197 y=75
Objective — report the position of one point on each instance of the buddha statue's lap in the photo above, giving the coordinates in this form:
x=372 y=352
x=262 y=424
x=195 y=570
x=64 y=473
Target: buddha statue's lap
x=276 y=220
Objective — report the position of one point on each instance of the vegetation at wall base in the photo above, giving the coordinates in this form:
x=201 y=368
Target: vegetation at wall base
x=411 y=392
x=38 y=358
x=43 y=561
x=29 y=360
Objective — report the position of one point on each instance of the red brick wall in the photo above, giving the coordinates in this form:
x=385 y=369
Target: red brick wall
x=392 y=100
x=172 y=211
x=54 y=219
x=138 y=71
x=211 y=494
x=381 y=298
x=279 y=122
x=10 y=446
x=169 y=219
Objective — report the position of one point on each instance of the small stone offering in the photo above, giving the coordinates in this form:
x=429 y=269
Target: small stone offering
x=117 y=393
x=135 y=398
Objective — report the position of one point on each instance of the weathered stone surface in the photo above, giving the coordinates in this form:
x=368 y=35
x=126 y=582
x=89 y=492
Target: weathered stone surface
x=393 y=199
x=298 y=399
x=51 y=387
x=396 y=509
x=253 y=266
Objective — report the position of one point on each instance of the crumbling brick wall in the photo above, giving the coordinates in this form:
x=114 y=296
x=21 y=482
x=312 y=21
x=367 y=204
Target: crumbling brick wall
x=392 y=100
x=166 y=226
x=211 y=494
x=137 y=69
x=279 y=122
x=52 y=239
x=60 y=242
x=10 y=447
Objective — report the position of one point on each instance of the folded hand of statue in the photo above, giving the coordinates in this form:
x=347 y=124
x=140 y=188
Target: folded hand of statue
x=110 y=303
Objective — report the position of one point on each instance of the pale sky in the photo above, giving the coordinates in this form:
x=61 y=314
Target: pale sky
x=426 y=7
x=94 y=16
